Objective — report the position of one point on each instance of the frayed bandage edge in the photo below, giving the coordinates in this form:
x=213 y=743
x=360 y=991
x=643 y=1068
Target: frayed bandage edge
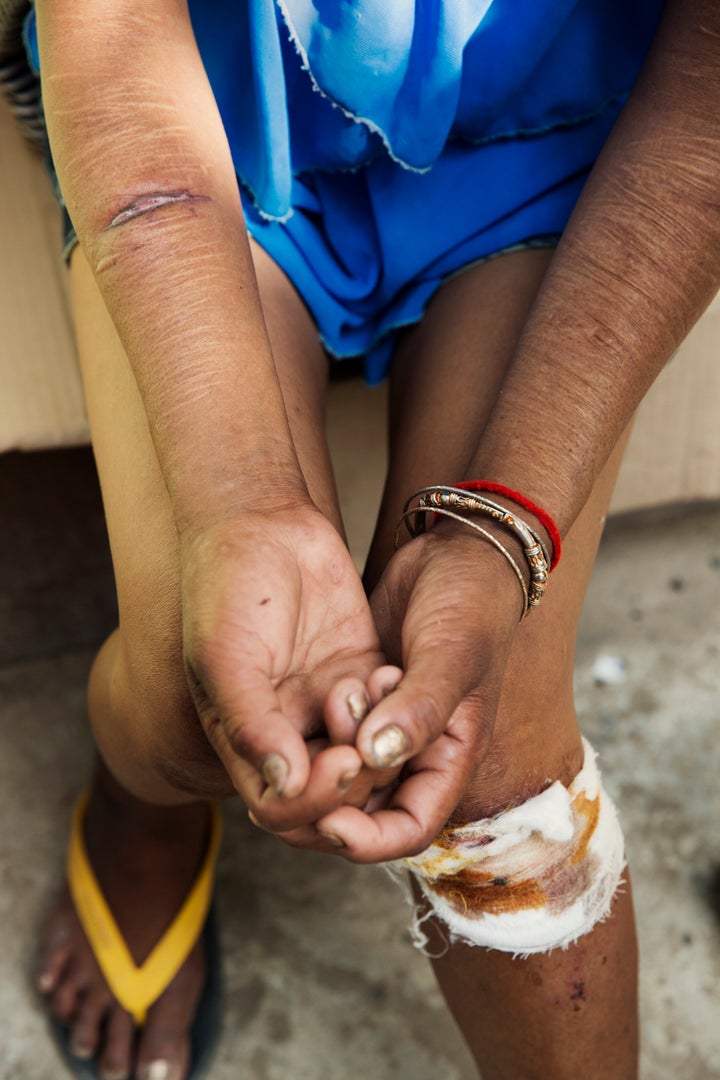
x=531 y=879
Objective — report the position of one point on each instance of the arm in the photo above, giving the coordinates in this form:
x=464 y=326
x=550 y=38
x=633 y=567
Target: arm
x=148 y=179
x=146 y=172
x=637 y=265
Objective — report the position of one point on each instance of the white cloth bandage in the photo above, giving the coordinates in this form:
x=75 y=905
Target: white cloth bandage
x=533 y=878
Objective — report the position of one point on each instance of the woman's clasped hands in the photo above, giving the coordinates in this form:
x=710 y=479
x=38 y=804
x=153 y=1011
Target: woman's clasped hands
x=346 y=725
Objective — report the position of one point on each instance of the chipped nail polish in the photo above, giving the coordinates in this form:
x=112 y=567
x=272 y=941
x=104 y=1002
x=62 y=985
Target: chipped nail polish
x=275 y=773
x=358 y=705
x=390 y=746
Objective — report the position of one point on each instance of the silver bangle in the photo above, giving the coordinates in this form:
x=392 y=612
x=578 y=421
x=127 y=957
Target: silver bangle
x=436 y=498
x=444 y=512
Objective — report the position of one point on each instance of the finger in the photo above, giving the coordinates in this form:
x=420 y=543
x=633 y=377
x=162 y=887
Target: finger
x=351 y=699
x=332 y=773
x=418 y=710
x=251 y=728
x=414 y=815
x=409 y=718
x=346 y=706
x=382 y=682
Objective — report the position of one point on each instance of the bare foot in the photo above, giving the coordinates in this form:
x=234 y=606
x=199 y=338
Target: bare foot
x=146 y=860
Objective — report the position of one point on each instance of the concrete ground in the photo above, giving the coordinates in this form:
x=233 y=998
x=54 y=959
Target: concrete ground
x=322 y=983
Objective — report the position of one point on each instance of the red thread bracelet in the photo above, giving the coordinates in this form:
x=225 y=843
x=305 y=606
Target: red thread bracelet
x=521 y=500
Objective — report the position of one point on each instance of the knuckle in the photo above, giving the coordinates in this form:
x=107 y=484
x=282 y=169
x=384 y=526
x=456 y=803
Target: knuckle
x=238 y=736
x=429 y=718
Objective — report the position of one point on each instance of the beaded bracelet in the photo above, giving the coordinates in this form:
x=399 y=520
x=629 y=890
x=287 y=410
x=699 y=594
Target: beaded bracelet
x=452 y=501
x=521 y=500
x=444 y=512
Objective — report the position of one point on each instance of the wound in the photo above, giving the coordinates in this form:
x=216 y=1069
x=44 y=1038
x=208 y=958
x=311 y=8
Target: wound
x=146 y=204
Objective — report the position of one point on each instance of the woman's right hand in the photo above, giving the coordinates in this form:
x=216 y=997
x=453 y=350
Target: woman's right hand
x=277 y=630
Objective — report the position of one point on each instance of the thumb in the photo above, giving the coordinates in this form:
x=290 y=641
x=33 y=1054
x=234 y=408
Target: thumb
x=418 y=711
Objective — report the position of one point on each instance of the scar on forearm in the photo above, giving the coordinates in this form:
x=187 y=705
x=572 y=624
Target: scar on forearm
x=145 y=204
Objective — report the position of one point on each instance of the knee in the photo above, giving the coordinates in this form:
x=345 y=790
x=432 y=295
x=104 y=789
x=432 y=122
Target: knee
x=523 y=759
x=154 y=718
x=533 y=877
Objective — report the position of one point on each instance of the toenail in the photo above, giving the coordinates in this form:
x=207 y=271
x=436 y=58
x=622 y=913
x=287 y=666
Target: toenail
x=156 y=1070
x=275 y=772
x=358 y=705
x=346 y=780
x=390 y=746
x=332 y=839
x=82 y=1052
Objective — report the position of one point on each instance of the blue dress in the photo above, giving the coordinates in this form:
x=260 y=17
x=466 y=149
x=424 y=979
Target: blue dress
x=382 y=145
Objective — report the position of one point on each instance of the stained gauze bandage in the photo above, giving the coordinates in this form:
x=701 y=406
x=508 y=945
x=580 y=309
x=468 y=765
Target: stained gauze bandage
x=532 y=878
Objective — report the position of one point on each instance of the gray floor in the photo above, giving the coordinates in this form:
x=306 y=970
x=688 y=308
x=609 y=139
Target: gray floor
x=321 y=980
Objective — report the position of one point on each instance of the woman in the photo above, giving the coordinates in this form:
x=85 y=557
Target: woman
x=248 y=659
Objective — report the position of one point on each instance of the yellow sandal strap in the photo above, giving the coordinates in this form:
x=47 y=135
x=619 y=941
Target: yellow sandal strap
x=137 y=987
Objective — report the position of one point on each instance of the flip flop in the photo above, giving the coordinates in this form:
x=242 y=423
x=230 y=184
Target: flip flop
x=137 y=987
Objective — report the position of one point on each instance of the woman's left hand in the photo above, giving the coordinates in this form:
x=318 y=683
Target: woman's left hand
x=446 y=610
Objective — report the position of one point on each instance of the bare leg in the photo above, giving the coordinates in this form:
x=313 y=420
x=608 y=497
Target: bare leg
x=571 y=1012
x=146 y=854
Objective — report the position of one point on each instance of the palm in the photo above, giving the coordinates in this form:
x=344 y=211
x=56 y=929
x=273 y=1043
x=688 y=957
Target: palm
x=452 y=639
x=275 y=615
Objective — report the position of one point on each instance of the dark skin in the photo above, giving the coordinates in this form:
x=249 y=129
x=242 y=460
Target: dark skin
x=639 y=261
x=637 y=265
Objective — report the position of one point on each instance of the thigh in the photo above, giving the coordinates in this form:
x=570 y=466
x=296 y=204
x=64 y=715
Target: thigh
x=139 y=516
x=446 y=379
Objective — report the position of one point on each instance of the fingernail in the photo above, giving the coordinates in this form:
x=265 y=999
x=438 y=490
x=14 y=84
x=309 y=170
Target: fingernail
x=156 y=1070
x=358 y=705
x=346 y=780
x=390 y=746
x=275 y=773
x=254 y=819
x=45 y=982
x=332 y=838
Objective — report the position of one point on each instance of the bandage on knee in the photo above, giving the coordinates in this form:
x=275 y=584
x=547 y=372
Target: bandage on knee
x=533 y=878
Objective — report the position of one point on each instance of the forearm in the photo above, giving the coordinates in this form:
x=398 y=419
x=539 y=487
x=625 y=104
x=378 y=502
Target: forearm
x=639 y=262
x=148 y=179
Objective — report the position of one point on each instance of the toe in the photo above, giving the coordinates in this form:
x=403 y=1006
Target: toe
x=55 y=950
x=51 y=967
x=68 y=994
x=116 y=1058
x=171 y=1064
x=85 y=1037
x=164 y=1050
